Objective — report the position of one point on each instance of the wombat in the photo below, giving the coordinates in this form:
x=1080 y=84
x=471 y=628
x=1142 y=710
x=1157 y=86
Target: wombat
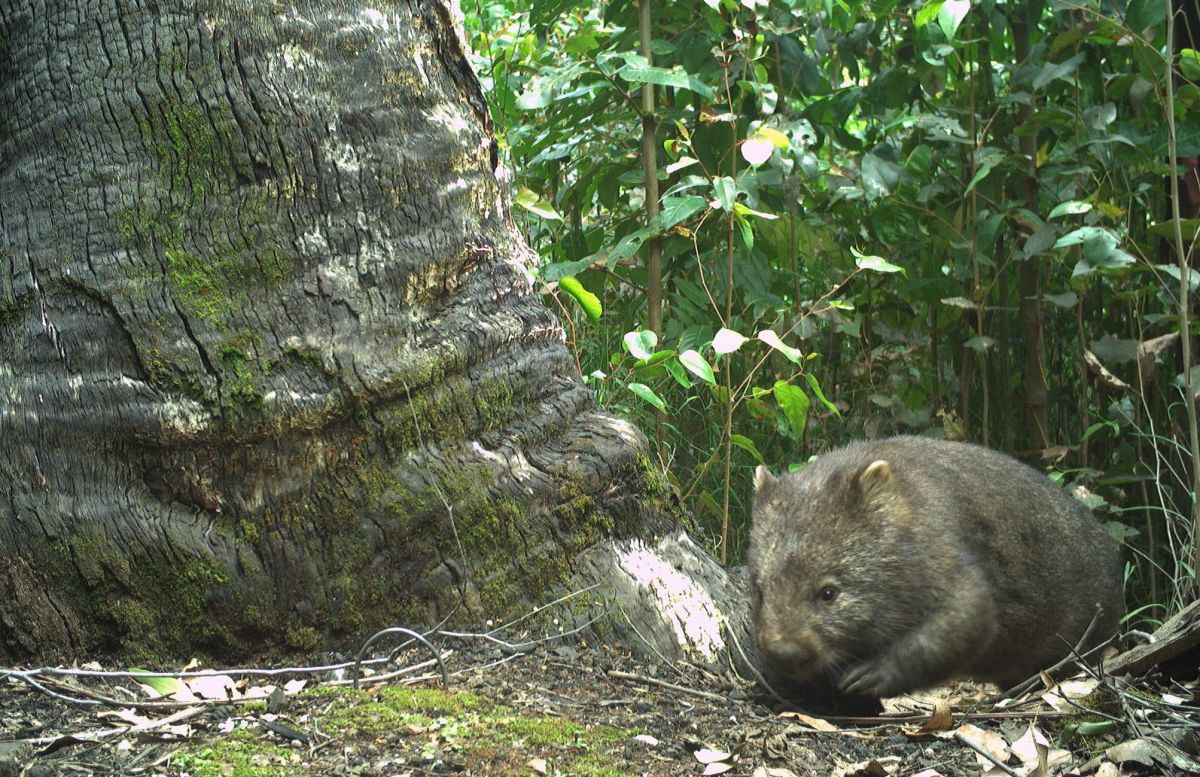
x=893 y=565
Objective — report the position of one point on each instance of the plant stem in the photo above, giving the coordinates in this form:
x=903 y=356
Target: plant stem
x=1185 y=317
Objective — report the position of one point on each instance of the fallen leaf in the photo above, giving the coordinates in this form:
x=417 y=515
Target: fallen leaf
x=706 y=756
x=646 y=740
x=718 y=767
x=216 y=686
x=928 y=773
x=883 y=766
x=127 y=715
x=1057 y=697
x=817 y=724
x=989 y=742
x=1149 y=752
x=1033 y=751
x=156 y=686
x=1077 y=689
x=538 y=765
x=773 y=771
x=940 y=720
x=258 y=691
x=295 y=686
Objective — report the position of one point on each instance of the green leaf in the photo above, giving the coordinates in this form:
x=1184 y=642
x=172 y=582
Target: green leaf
x=1100 y=251
x=727 y=341
x=1173 y=271
x=794 y=403
x=950 y=16
x=647 y=393
x=816 y=389
x=640 y=343
x=1070 y=207
x=1189 y=63
x=163 y=686
x=535 y=97
x=559 y=270
x=1065 y=300
x=658 y=357
x=677 y=209
x=676 y=371
x=875 y=263
x=1110 y=426
x=772 y=339
x=629 y=245
x=698 y=366
x=680 y=164
x=1055 y=70
x=539 y=207
x=980 y=343
x=928 y=13
x=980 y=174
x=744 y=230
x=744 y=210
x=1189 y=227
x=1141 y=15
x=1083 y=234
x=746 y=444
x=638 y=71
x=725 y=192
x=879 y=176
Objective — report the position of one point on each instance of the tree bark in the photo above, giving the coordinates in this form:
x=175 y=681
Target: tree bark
x=1029 y=306
x=273 y=373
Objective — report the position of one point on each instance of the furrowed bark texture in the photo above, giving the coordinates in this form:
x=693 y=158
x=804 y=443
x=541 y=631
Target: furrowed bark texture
x=272 y=373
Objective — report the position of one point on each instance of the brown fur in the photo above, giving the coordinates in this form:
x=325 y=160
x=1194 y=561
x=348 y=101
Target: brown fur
x=892 y=565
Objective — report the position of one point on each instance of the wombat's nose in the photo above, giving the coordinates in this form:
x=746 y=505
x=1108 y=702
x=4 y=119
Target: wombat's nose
x=787 y=655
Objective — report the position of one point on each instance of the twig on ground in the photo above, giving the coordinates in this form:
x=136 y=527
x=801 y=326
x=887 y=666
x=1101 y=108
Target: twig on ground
x=958 y=737
x=664 y=684
x=403 y=672
x=515 y=647
x=413 y=636
x=41 y=677
x=95 y=736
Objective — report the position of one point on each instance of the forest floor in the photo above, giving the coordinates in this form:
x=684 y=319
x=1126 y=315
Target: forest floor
x=557 y=710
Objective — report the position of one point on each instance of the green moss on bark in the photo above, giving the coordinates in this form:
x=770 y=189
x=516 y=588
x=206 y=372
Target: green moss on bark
x=148 y=607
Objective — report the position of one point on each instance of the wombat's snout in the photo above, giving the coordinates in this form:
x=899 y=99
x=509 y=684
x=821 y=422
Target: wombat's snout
x=788 y=656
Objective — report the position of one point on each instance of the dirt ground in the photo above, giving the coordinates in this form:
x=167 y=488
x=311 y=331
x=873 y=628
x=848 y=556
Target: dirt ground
x=556 y=710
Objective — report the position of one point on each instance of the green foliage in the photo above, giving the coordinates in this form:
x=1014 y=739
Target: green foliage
x=852 y=195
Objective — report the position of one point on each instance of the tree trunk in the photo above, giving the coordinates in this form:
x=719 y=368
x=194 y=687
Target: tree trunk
x=1029 y=306
x=272 y=372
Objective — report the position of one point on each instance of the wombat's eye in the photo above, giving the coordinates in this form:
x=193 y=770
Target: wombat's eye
x=829 y=593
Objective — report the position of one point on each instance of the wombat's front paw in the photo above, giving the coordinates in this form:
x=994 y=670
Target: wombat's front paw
x=878 y=677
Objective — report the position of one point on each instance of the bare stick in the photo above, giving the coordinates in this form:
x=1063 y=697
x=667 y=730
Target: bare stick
x=637 y=678
x=995 y=762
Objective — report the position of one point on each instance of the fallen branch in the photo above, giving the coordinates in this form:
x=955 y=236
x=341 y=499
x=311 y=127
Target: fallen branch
x=619 y=675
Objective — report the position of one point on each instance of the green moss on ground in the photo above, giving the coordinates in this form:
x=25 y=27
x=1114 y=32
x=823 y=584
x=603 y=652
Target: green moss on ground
x=472 y=732
x=242 y=753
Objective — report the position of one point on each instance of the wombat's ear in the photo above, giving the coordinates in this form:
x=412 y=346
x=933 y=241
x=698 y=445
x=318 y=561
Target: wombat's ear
x=763 y=480
x=875 y=479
